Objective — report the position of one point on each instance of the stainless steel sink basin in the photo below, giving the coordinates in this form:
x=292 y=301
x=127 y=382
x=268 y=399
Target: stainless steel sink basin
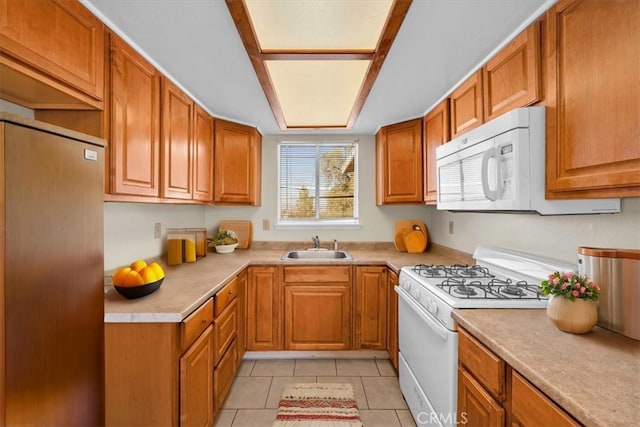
x=311 y=254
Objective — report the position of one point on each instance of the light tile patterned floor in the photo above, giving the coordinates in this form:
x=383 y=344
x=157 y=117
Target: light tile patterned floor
x=255 y=393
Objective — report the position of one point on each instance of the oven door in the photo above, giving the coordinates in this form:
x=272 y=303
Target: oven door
x=430 y=361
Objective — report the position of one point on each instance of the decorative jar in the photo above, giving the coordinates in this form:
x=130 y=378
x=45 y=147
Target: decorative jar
x=577 y=316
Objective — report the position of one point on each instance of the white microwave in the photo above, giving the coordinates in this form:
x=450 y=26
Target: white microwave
x=500 y=166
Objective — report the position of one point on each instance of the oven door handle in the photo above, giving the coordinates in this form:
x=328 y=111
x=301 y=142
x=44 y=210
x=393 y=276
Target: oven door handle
x=433 y=324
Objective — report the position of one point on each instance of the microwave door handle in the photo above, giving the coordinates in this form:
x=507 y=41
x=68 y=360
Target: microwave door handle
x=488 y=192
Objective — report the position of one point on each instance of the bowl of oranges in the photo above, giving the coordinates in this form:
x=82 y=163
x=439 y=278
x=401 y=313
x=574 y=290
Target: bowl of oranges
x=138 y=279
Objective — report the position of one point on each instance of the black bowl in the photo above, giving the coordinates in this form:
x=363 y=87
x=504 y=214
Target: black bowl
x=132 y=292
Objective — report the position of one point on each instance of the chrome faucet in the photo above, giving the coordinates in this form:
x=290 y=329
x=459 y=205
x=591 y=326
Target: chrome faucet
x=316 y=242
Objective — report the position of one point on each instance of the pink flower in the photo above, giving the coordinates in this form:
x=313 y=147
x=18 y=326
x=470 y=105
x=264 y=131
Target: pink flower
x=564 y=286
x=582 y=289
x=567 y=274
x=577 y=286
x=555 y=281
x=575 y=293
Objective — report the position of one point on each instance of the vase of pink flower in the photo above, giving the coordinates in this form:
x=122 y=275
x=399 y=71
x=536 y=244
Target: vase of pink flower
x=573 y=301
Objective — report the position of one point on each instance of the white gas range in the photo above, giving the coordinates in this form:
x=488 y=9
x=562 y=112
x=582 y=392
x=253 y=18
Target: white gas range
x=428 y=337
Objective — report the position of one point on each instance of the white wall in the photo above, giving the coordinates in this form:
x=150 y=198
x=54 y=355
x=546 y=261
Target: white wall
x=377 y=222
x=553 y=236
x=128 y=229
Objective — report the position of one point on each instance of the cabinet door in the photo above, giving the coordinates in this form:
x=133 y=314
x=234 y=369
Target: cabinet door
x=134 y=158
x=177 y=138
x=476 y=407
x=264 y=309
x=392 y=322
x=399 y=163
x=52 y=54
x=237 y=157
x=202 y=155
x=466 y=105
x=511 y=79
x=223 y=375
x=196 y=382
x=225 y=329
x=435 y=131
x=317 y=317
x=242 y=315
x=370 y=323
x=593 y=90
x=532 y=408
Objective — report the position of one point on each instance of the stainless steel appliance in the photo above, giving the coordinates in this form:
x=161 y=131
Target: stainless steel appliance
x=52 y=276
x=428 y=335
x=617 y=271
x=500 y=166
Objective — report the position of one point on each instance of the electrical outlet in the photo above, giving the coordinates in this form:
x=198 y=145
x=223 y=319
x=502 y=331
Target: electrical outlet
x=157 y=227
x=450 y=226
x=266 y=225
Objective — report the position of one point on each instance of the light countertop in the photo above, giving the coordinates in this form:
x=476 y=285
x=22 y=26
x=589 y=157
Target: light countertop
x=188 y=285
x=595 y=377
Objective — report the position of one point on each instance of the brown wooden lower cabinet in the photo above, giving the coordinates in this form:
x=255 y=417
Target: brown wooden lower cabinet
x=160 y=373
x=492 y=394
x=370 y=308
x=475 y=405
x=530 y=407
x=317 y=307
x=392 y=318
x=196 y=382
x=264 y=308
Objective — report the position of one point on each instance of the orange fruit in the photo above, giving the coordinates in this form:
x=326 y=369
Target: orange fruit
x=159 y=271
x=138 y=265
x=118 y=276
x=148 y=274
x=132 y=279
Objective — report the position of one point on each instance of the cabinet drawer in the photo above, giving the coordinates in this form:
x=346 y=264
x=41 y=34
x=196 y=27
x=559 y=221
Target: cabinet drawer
x=197 y=322
x=532 y=408
x=223 y=375
x=225 y=329
x=319 y=274
x=225 y=296
x=488 y=368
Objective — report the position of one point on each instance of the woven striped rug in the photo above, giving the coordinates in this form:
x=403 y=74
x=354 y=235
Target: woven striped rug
x=318 y=405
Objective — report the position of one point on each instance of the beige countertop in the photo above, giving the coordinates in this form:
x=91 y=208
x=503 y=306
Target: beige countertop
x=188 y=285
x=595 y=377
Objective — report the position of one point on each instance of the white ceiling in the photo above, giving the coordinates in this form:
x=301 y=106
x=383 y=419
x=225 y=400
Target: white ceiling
x=196 y=43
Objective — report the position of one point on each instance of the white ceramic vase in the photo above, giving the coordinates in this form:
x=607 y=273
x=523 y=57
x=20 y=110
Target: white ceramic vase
x=577 y=317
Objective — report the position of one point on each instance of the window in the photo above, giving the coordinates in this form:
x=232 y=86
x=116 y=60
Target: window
x=317 y=183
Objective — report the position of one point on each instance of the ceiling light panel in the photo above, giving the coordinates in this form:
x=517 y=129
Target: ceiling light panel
x=321 y=25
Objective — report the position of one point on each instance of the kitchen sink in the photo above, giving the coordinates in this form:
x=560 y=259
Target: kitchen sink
x=319 y=254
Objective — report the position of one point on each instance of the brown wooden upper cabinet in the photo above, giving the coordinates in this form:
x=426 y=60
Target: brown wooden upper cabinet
x=593 y=93
x=511 y=79
x=435 y=132
x=466 y=105
x=177 y=142
x=51 y=55
x=203 y=134
x=399 y=163
x=134 y=150
x=237 y=167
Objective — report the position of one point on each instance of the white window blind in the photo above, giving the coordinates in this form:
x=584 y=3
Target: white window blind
x=317 y=182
